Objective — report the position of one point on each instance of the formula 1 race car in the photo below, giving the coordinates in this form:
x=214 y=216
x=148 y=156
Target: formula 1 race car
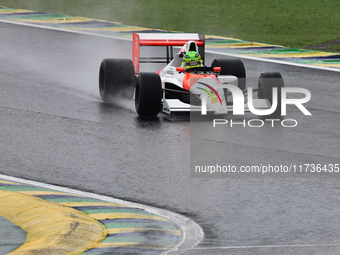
x=218 y=88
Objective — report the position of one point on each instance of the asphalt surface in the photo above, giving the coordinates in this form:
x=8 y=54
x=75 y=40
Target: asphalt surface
x=55 y=129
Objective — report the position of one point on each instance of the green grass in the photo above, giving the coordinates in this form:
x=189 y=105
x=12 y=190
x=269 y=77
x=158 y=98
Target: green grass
x=335 y=48
x=290 y=23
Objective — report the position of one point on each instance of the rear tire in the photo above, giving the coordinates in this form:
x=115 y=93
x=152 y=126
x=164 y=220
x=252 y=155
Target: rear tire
x=233 y=67
x=268 y=81
x=148 y=94
x=116 y=79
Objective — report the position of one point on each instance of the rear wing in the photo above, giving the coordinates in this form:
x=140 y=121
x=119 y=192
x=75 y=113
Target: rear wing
x=162 y=39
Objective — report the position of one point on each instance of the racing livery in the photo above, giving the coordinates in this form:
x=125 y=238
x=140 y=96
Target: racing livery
x=185 y=83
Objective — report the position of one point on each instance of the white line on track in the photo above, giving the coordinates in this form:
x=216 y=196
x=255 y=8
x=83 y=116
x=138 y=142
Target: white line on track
x=209 y=51
x=64 y=30
x=191 y=232
x=266 y=246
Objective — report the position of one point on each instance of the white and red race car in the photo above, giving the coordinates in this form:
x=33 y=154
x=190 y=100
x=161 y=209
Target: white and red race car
x=176 y=89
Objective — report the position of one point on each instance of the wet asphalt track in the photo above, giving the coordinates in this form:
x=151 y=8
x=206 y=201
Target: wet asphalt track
x=55 y=129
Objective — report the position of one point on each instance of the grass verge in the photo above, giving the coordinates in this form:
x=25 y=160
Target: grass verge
x=298 y=23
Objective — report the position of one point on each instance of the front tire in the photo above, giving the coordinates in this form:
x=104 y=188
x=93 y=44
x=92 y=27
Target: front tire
x=268 y=81
x=116 y=79
x=148 y=94
x=233 y=67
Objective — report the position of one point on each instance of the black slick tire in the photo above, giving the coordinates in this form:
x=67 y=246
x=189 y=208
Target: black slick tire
x=233 y=67
x=267 y=81
x=116 y=79
x=148 y=94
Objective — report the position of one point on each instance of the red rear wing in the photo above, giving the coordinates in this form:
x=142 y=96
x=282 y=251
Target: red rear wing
x=163 y=39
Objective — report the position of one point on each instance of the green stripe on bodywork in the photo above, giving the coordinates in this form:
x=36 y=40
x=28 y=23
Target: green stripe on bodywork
x=209 y=95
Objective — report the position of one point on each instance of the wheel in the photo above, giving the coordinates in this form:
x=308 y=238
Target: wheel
x=116 y=79
x=232 y=67
x=148 y=94
x=268 y=81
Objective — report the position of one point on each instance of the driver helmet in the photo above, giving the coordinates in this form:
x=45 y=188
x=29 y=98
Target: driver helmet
x=192 y=59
